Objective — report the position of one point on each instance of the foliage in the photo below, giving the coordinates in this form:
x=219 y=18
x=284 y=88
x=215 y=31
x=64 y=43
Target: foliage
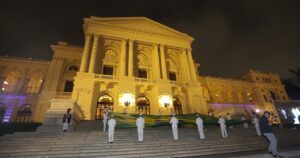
x=8 y=128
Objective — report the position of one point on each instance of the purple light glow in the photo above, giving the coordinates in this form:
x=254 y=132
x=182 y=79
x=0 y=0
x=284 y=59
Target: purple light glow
x=219 y=106
x=10 y=108
x=7 y=115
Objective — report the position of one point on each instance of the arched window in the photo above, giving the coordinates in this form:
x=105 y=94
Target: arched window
x=177 y=106
x=143 y=105
x=24 y=114
x=2 y=112
x=104 y=102
x=273 y=95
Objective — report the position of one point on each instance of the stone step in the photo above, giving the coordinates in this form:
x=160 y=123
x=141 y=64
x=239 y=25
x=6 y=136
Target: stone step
x=132 y=151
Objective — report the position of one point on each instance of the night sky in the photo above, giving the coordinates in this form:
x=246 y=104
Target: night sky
x=230 y=36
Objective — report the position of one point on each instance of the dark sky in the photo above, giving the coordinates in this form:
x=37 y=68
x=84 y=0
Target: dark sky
x=230 y=36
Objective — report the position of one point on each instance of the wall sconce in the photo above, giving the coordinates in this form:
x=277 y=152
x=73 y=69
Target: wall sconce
x=165 y=100
x=127 y=99
x=166 y=105
x=127 y=103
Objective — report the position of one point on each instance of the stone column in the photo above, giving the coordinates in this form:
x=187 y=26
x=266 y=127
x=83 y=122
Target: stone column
x=183 y=66
x=85 y=55
x=123 y=58
x=163 y=62
x=191 y=65
x=187 y=67
x=24 y=88
x=56 y=74
x=94 y=54
x=156 y=63
x=130 y=59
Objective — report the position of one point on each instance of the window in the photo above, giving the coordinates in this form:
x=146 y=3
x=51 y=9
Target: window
x=257 y=78
x=266 y=99
x=73 y=68
x=108 y=70
x=142 y=73
x=283 y=98
x=69 y=86
x=273 y=95
x=172 y=76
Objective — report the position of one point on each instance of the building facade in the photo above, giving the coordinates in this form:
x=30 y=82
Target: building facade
x=130 y=64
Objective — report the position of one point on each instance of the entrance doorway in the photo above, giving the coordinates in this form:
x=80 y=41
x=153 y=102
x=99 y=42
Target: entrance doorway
x=24 y=114
x=104 y=102
x=177 y=106
x=143 y=105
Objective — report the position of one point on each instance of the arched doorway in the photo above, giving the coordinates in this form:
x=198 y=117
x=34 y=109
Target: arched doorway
x=143 y=105
x=177 y=106
x=2 y=112
x=104 y=102
x=24 y=114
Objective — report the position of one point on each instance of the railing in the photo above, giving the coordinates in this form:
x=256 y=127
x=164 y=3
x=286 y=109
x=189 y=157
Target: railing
x=107 y=77
x=18 y=93
x=143 y=80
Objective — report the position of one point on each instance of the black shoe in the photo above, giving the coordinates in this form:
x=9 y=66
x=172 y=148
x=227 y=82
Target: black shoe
x=278 y=156
x=270 y=152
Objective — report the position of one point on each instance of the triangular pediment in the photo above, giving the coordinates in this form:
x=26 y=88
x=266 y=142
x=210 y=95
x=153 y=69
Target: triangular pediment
x=142 y=25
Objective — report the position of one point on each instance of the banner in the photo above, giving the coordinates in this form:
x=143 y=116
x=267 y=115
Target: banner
x=128 y=120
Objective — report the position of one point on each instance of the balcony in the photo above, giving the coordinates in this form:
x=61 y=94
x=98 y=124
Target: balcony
x=63 y=95
x=106 y=77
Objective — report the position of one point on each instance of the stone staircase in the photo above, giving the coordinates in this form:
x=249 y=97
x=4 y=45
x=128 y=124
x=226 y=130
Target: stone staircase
x=158 y=142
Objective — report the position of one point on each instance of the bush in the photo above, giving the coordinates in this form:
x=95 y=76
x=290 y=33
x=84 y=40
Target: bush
x=8 y=128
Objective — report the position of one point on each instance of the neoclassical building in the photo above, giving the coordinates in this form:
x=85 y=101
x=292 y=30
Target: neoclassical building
x=127 y=64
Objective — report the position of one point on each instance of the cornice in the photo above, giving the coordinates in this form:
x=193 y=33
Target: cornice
x=93 y=21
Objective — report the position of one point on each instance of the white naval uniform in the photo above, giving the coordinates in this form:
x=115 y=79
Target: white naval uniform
x=245 y=124
x=223 y=127
x=199 y=123
x=111 y=129
x=256 y=124
x=104 y=121
x=174 y=123
x=140 y=128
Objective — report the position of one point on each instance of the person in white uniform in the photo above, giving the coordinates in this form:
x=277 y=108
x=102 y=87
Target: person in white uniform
x=111 y=128
x=140 y=127
x=199 y=123
x=245 y=124
x=174 y=123
x=228 y=118
x=222 y=122
x=256 y=125
x=104 y=120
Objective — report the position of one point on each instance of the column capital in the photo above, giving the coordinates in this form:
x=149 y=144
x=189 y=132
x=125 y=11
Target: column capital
x=124 y=40
x=161 y=46
x=189 y=49
x=131 y=40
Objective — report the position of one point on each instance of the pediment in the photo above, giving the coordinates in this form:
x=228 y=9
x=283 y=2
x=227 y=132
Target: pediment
x=141 y=25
